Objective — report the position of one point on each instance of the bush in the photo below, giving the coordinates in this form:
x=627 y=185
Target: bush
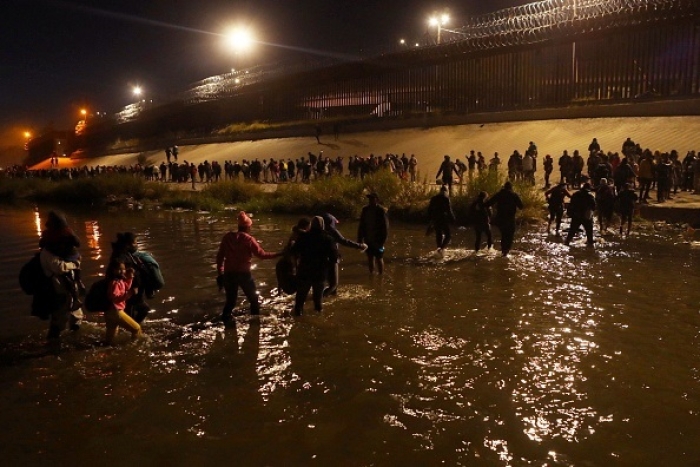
x=196 y=201
x=343 y=196
x=12 y=189
x=229 y=192
x=90 y=190
x=156 y=191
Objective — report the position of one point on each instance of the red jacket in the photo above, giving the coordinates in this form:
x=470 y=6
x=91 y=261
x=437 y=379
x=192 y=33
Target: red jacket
x=236 y=252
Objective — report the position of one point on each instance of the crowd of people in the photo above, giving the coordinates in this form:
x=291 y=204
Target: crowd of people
x=598 y=187
x=268 y=170
x=308 y=262
x=667 y=172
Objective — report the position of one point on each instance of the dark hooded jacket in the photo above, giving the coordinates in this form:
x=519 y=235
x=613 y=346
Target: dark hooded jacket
x=315 y=251
x=331 y=229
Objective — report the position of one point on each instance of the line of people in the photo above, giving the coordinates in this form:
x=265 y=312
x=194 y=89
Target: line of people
x=506 y=203
x=309 y=260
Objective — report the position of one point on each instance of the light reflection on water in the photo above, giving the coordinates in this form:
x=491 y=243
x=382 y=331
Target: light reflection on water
x=553 y=356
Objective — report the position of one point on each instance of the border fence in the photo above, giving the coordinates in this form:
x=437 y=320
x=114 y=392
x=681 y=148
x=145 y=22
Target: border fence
x=551 y=53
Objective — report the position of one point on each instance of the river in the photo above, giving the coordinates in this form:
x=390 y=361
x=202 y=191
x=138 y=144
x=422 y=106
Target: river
x=553 y=356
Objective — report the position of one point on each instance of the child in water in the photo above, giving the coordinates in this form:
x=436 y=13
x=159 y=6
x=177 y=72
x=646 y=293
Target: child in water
x=119 y=291
x=59 y=240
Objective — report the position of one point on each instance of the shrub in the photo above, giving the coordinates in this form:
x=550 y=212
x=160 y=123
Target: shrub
x=12 y=189
x=90 y=190
x=233 y=191
x=196 y=201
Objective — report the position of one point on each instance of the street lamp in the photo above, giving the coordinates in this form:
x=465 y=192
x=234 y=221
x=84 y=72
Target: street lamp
x=239 y=39
x=137 y=91
x=27 y=137
x=439 y=22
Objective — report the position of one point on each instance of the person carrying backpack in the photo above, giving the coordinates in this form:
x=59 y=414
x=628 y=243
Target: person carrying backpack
x=56 y=300
x=125 y=250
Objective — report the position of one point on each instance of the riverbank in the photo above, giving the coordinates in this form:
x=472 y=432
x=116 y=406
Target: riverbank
x=430 y=144
x=343 y=196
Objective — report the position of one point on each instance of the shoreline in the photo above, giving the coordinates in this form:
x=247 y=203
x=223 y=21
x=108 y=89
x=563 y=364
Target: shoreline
x=683 y=210
x=430 y=144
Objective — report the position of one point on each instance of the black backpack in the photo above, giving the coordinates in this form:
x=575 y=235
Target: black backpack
x=97 y=298
x=34 y=282
x=32 y=277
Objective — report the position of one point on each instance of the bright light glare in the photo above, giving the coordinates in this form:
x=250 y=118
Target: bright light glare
x=83 y=112
x=240 y=39
x=435 y=21
x=137 y=91
x=27 y=134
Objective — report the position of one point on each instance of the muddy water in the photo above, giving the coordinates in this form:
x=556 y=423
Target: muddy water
x=554 y=356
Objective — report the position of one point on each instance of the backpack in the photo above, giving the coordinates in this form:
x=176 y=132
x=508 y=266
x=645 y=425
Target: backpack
x=97 y=298
x=31 y=276
x=149 y=272
x=34 y=282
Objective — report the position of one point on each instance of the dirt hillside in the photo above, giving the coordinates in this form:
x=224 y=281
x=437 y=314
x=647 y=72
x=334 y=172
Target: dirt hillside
x=430 y=145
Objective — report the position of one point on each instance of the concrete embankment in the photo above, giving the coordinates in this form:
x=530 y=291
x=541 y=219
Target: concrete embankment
x=431 y=144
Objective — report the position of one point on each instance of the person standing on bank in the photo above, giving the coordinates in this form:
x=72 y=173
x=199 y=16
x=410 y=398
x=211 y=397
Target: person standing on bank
x=233 y=262
x=316 y=254
x=507 y=203
x=581 y=209
x=441 y=215
x=330 y=227
x=373 y=231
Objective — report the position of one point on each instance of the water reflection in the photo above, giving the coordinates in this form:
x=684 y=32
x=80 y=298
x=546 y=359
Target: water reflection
x=37 y=221
x=92 y=234
x=551 y=356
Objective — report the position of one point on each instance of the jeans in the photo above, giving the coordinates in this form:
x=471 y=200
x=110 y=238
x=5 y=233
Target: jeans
x=244 y=280
x=303 y=288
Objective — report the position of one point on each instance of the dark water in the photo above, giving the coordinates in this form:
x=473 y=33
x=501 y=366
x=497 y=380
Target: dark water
x=555 y=356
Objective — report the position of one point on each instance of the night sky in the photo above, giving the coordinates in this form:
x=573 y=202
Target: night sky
x=58 y=56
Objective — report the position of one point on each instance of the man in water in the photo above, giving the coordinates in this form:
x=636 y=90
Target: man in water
x=480 y=217
x=581 y=210
x=555 y=202
x=507 y=202
x=233 y=262
x=626 y=200
x=316 y=253
x=446 y=169
x=373 y=231
x=330 y=226
x=441 y=215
